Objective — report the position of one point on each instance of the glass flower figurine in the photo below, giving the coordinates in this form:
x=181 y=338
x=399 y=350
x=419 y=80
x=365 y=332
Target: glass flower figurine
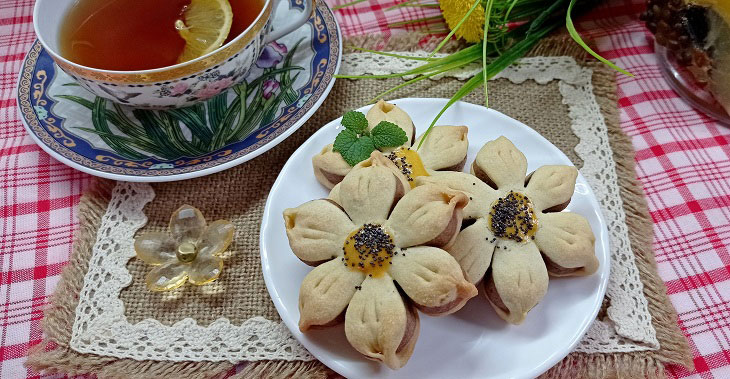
x=189 y=252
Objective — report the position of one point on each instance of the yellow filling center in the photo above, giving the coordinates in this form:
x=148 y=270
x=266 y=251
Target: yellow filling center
x=409 y=163
x=513 y=217
x=369 y=249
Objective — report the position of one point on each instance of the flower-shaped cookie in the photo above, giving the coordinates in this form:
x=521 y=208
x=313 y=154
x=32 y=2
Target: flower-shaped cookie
x=377 y=256
x=189 y=252
x=444 y=149
x=519 y=228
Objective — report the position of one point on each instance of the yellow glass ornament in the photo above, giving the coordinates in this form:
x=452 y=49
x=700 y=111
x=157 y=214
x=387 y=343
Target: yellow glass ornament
x=190 y=252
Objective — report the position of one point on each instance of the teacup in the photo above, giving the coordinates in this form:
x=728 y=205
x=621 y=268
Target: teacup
x=174 y=86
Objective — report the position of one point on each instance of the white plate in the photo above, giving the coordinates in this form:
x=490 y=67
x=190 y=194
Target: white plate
x=474 y=342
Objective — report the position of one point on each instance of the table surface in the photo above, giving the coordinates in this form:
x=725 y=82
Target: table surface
x=682 y=161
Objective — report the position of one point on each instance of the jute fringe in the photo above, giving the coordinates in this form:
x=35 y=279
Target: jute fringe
x=53 y=355
x=285 y=369
x=600 y=366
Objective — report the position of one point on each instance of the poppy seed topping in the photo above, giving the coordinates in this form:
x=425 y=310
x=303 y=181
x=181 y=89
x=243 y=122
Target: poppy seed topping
x=513 y=217
x=409 y=163
x=369 y=249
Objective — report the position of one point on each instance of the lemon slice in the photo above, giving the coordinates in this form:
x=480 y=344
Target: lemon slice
x=204 y=27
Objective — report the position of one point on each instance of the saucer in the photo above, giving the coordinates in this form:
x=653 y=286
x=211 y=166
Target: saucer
x=288 y=83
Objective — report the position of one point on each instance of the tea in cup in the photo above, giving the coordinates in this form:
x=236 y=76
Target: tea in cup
x=133 y=51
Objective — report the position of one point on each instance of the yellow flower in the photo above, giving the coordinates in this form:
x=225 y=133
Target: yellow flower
x=190 y=252
x=472 y=30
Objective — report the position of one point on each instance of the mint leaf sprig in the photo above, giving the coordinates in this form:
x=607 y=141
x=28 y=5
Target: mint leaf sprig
x=355 y=142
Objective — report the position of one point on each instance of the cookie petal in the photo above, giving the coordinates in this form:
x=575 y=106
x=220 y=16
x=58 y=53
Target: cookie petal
x=518 y=280
x=187 y=224
x=473 y=250
x=567 y=243
x=481 y=196
x=380 y=324
x=376 y=159
x=427 y=215
x=433 y=279
x=155 y=248
x=329 y=167
x=551 y=187
x=445 y=148
x=500 y=164
x=368 y=193
x=335 y=194
x=383 y=111
x=317 y=230
x=379 y=159
x=325 y=293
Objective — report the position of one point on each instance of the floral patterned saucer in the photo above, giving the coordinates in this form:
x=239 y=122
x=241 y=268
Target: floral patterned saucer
x=290 y=80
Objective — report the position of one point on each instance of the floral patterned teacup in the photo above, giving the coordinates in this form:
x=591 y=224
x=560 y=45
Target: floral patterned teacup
x=160 y=88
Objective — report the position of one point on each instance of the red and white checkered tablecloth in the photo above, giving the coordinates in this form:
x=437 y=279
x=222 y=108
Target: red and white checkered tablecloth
x=682 y=156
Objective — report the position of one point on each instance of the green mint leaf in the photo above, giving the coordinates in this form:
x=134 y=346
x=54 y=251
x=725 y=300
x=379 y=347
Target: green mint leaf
x=353 y=151
x=388 y=134
x=355 y=121
x=359 y=151
x=353 y=148
x=344 y=140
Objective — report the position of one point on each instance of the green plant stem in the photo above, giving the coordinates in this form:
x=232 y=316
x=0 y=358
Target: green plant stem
x=453 y=64
x=505 y=19
x=503 y=45
x=574 y=33
x=487 y=15
x=392 y=54
x=406 y=83
x=496 y=66
x=468 y=54
x=543 y=16
x=403 y=4
x=423 y=6
x=427 y=20
x=409 y=3
x=436 y=31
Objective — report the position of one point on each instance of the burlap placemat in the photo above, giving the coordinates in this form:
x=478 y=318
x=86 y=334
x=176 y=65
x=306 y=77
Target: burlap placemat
x=239 y=194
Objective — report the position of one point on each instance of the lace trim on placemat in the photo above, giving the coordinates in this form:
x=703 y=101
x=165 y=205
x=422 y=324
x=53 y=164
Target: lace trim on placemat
x=540 y=69
x=100 y=326
x=628 y=325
